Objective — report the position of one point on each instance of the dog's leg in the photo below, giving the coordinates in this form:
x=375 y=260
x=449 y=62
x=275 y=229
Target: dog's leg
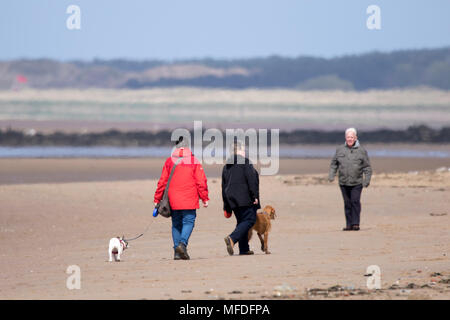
x=110 y=255
x=262 y=241
x=250 y=234
x=266 y=239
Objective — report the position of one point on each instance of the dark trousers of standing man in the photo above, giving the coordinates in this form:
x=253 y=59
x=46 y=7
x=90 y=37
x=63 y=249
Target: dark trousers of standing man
x=246 y=218
x=352 y=204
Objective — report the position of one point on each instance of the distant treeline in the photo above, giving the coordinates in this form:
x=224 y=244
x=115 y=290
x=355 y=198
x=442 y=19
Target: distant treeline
x=399 y=69
x=409 y=68
x=414 y=134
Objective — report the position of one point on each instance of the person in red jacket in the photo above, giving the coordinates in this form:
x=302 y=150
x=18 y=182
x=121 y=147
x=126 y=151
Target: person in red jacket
x=188 y=185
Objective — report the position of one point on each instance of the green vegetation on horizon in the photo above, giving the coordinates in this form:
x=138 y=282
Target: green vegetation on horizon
x=399 y=69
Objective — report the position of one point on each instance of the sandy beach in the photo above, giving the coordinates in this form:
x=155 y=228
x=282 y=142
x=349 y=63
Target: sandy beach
x=95 y=99
x=49 y=225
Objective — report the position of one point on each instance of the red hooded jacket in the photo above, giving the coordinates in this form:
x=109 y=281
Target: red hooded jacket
x=188 y=182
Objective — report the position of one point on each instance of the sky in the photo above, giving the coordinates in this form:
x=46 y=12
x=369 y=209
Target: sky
x=226 y=29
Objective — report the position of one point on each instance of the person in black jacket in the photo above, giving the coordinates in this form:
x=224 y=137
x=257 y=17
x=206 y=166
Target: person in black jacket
x=240 y=194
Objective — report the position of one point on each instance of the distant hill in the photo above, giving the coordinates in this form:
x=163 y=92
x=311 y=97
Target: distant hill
x=399 y=69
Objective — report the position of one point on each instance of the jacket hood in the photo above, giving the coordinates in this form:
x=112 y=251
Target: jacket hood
x=182 y=152
x=186 y=155
x=356 y=145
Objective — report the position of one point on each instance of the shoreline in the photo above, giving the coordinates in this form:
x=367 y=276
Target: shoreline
x=66 y=170
x=284 y=151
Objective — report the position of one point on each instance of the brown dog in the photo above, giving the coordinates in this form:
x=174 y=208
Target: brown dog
x=262 y=226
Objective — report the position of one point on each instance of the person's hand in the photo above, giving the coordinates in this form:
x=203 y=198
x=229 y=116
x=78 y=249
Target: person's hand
x=227 y=213
x=366 y=184
x=256 y=201
x=205 y=204
x=155 y=203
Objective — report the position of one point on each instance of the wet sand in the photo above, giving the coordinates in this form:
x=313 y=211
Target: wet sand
x=24 y=171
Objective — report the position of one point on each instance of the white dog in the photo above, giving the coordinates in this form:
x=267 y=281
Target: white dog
x=116 y=247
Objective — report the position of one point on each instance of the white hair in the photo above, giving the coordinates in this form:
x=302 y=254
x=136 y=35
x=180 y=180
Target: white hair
x=237 y=146
x=351 y=130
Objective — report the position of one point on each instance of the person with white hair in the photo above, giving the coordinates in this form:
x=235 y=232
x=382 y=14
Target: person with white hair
x=352 y=163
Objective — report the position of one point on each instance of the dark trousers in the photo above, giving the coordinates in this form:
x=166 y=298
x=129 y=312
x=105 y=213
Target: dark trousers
x=352 y=204
x=246 y=218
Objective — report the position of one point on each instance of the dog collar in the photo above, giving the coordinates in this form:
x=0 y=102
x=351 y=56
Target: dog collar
x=122 y=243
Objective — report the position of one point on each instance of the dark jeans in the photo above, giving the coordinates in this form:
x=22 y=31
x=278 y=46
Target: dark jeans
x=182 y=225
x=352 y=203
x=246 y=218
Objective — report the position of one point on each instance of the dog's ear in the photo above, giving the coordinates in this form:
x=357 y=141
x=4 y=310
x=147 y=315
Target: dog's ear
x=273 y=213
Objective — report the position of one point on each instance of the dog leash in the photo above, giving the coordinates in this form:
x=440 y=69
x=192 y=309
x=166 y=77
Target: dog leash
x=170 y=177
x=140 y=234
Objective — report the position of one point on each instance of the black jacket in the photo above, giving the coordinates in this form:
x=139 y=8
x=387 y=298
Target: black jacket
x=240 y=184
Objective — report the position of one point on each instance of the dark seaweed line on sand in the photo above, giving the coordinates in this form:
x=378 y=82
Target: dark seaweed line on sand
x=113 y=137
